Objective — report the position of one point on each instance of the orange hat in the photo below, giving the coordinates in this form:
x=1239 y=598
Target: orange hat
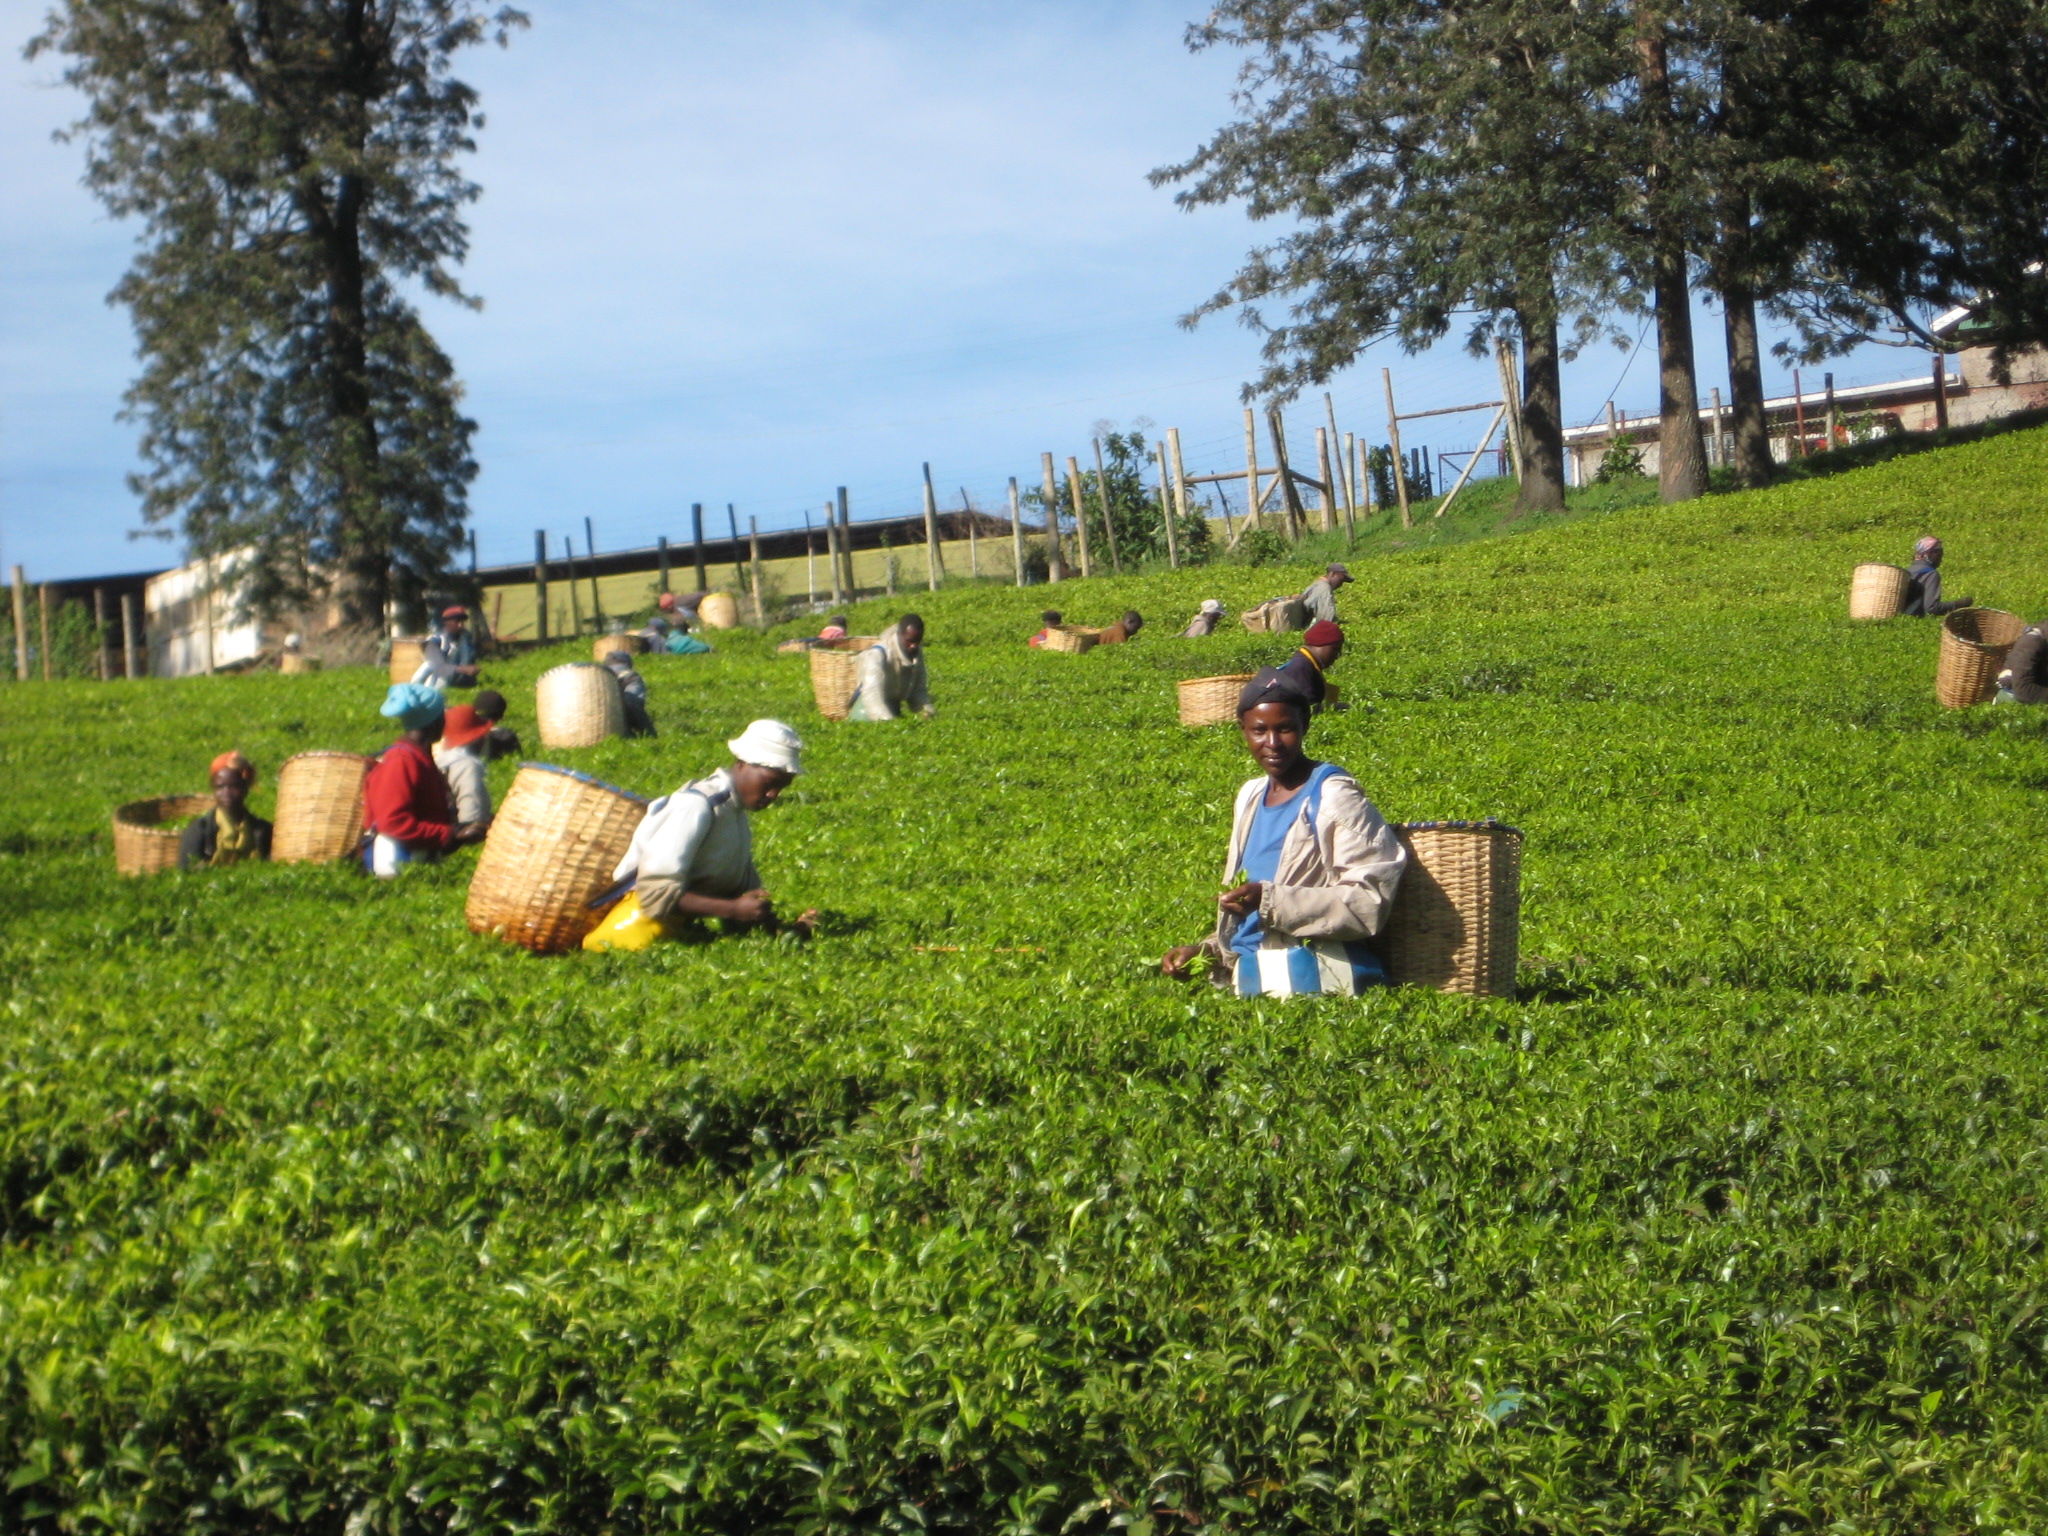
x=455 y=612
x=236 y=761
x=461 y=725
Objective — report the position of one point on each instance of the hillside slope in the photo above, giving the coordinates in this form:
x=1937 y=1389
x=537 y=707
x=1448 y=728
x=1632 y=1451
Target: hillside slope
x=320 y=1213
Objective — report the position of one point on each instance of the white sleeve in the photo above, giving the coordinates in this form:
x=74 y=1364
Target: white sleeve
x=873 y=684
x=666 y=844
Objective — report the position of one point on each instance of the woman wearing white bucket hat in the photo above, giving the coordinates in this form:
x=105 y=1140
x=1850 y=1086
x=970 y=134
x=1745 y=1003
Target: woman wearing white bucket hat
x=693 y=855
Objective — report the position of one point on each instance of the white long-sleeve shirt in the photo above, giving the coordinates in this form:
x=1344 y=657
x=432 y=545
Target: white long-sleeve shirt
x=464 y=771
x=699 y=837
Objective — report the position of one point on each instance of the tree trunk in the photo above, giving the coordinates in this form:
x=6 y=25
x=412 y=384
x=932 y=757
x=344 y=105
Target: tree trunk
x=1542 y=401
x=1681 y=457
x=1753 y=466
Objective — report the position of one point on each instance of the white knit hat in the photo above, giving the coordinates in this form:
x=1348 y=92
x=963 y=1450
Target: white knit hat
x=769 y=744
x=1210 y=605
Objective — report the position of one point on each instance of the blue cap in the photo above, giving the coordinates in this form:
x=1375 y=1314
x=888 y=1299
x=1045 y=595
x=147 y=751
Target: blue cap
x=413 y=705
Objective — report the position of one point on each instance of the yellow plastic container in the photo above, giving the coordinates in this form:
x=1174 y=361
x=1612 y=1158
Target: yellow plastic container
x=625 y=927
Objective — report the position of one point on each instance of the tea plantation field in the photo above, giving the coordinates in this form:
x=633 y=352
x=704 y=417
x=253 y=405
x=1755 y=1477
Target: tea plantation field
x=322 y=1215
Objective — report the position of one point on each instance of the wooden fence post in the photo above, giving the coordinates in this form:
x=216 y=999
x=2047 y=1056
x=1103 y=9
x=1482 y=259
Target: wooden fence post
x=575 y=597
x=732 y=528
x=1329 y=480
x=1116 y=561
x=1940 y=395
x=754 y=562
x=1829 y=380
x=832 y=556
x=1353 y=490
x=1290 y=494
x=131 y=635
x=1016 y=532
x=1343 y=481
x=1251 y=471
x=1166 y=507
x=43 y=602
x=697 y=542
x=99 y=629
x=810 y=568
x=661 y=557
x=20 y=626
x=596 y=601
x=1055 y=559
x=846 y=545
x=1080 y=516
x=1511 y=396
x=540 y=584
x=934 y=561
x=1180 y=490
x=973 y=535
x=1394 y=448
x=1799 y=410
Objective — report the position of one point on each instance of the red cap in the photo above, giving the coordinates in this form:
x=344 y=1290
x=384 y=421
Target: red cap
x=457 y=612
x=1322 y=632
x=666 y=600
x=461 y=725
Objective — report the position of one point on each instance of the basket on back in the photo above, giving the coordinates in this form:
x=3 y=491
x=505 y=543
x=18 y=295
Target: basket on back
x=1276 y=617
x=1457 y=918
x=632 y=645
x=319 y=807
x=835 y=671
x=579 y=705
x=1878 y=591
x=406 y=656
x=719 y=610
x=1074 y=639
x=551 y=850
x=1973 y=646
x=1211 y=700
x=146 y=832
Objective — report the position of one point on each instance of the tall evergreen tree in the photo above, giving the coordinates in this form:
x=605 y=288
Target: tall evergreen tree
x=293 y=165
x=1441 y=161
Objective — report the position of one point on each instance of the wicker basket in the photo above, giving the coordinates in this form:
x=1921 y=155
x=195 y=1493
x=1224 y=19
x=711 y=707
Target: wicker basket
x=579 y=705
x=406 y=656
x=1279 y=616
x=632 y=645
x=1071 y=638
x=551 y=851
x=1456 y=923
x=835 y=670
x=1973 y=646
x=319 y=807
x=719 y=610
x=1877 y=591
x=144 y=843
x=293 y=661
x=1211 y=700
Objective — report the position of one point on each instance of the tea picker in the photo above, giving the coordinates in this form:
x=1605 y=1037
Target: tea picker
x=1123 y=629
x=1203 y=624
x=692 y=857
x=1311 y=869
x=1320 y=597
x=406 y=808
x=892 y=677
x=632 y=692
x=448 y=656
x=2025 y=678
x=1321 y=645
x=1923 y=583
x=228 y=833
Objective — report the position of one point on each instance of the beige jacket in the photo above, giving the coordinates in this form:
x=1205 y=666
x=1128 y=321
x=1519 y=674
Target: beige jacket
x=889 y=682
x=1336 y=880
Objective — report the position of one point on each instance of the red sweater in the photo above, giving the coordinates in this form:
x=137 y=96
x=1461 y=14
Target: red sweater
x=406 y=798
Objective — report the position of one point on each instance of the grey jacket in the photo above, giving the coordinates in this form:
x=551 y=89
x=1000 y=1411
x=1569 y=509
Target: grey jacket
x=1337 y=875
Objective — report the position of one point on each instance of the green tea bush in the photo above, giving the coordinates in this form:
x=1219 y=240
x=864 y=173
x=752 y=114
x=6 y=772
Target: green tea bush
x=319 y=1213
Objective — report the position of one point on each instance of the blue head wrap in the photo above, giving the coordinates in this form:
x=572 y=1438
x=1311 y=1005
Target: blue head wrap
x=413 y=705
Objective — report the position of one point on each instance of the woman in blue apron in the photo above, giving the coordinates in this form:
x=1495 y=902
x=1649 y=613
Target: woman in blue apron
x=1312 y=866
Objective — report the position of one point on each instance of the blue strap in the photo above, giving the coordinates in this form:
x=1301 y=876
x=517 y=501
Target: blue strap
x=1321 y=775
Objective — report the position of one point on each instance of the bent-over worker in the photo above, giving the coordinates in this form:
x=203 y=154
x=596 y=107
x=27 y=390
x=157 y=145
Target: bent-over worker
x=1320 y=598
x=1122 y=629
x=1923 y=583
x=459 y=756
x=502 y=741
x=406 y=810
x=1049 y=621
x=1321 y=644
x=2024 y=679
x=228 y=833
x=891 y=677
x=448 y=656
x=633 y=690
x=1311 y=869
x=692 y=856
x=1203 y=624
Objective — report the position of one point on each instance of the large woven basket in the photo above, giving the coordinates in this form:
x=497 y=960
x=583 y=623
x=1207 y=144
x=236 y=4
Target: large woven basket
x=1211 y=700
x=579 y=705
x=293 y=661
x=835 y=670
x=719 y=610
x=1457 y=918
x=1071 y=638
x=632 y=645
x=406 y=656
x=551 y=851
x=1973 y=646
x=1877 y=591
x=319 y=807
x=146 y=832
x=1276 y=617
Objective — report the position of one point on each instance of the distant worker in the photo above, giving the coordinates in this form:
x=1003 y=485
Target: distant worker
x=1321 y=644
x=2025 y=678
x=406 y=809
x=681 y=642
x=891 y=677
x=1203 y=624
x=1321 y=597
x=502 y=741
x=228 y=833
x=1923 y=583
x=679 y=608
x=633 y=690
x=835 y=628
x=448 y=656
x=459 y=756
x=1048 y=621
x=1123 y=629
x=692 y=856
x=1312 y=867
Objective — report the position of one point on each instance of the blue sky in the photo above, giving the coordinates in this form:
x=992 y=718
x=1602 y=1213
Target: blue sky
x=748 y=253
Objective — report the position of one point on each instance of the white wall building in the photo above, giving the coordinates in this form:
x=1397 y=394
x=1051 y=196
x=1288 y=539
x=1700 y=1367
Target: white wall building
x=192 y=620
